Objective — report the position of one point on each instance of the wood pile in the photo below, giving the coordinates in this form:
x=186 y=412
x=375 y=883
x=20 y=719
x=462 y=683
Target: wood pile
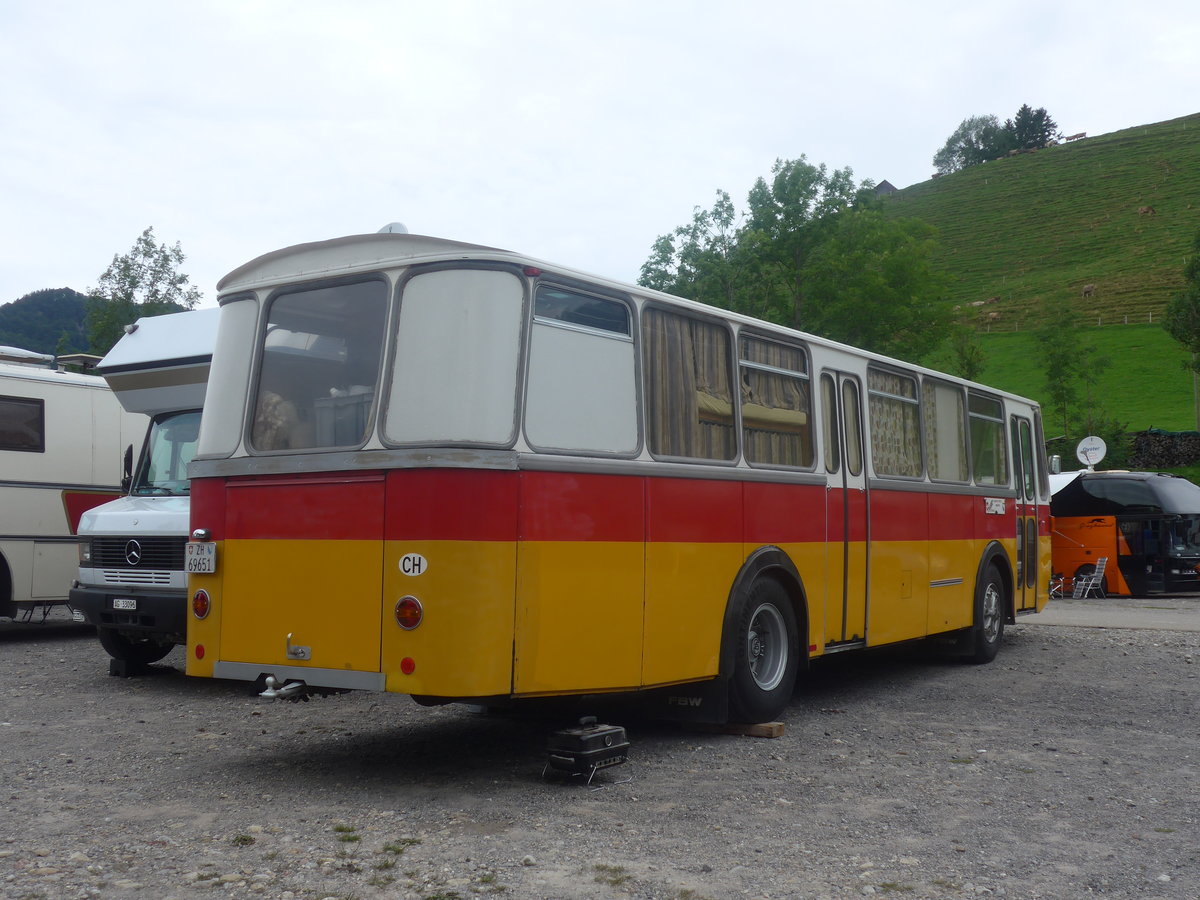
x=1156 y=449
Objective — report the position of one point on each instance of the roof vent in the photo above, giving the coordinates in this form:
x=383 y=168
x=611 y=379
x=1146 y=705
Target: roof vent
x=393 y=228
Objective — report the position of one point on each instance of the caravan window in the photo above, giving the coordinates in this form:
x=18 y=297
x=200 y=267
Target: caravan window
x=22 y=424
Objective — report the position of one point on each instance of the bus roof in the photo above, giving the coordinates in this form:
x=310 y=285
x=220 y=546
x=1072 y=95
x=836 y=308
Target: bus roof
x=1126 y=493
x=354 y=254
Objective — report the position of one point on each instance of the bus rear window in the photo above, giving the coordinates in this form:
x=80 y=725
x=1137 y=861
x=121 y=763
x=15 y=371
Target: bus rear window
x=320 y=364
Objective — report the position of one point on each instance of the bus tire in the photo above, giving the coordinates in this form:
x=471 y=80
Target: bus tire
x=991 y=607
x=764 y=653
x=140 y=652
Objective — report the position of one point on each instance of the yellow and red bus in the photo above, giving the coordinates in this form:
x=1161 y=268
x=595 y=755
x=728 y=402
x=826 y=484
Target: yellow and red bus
x=459 y=473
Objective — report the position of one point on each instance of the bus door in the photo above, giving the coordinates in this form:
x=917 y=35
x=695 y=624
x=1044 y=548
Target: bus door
x=1025 y=586
x=846 y=511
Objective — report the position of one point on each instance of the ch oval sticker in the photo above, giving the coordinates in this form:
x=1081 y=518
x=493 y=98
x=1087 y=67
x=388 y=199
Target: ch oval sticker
x=413 y=564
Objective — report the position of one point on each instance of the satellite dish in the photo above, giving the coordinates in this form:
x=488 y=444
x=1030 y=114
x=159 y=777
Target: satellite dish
x=393 y=228
x=1091 y=450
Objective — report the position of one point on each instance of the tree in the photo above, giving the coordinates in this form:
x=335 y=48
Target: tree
x=976 y=140
x=871 y=283
x=813 y=252
x=1183 y=312
x=144 y=282
x=1032 y=129
x=46 y=321
x=981 y=138
x=1074 y=405
x=696 y=259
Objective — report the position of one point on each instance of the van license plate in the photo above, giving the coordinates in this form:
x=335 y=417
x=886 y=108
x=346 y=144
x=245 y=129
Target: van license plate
x=124 y=603
x=201 y=558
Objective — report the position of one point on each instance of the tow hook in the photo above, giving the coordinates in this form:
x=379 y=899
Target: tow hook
x=293 y=690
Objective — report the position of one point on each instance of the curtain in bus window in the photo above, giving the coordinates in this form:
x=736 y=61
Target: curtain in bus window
x=320 y=364
x=776 y=405
x=895 y=433
x=945 y=420
x=689 y=401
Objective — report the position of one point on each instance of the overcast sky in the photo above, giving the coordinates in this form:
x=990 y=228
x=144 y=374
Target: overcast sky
x=571 y=130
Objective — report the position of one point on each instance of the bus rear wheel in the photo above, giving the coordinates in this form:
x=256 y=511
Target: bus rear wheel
x=990 y=608
x=139 y=652
x=764 y=653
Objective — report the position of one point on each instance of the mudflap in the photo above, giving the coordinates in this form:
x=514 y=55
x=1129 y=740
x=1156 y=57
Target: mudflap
x=700 y=701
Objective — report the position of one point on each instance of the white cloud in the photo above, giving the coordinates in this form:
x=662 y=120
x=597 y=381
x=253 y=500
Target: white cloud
x=577 y=131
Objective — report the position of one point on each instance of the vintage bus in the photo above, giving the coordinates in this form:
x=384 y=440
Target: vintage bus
x=62 y=439
x=458 y=473
x=1146 y=524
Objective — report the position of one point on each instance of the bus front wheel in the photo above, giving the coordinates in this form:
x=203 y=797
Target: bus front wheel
x=990 y=609
x=764 y=655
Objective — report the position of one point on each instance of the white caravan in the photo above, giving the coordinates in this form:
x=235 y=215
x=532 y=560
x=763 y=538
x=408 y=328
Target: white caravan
x=61 y=440
x=132 y=585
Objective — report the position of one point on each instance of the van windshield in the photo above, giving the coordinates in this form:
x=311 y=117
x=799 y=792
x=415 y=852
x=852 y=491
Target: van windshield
x=170 y=446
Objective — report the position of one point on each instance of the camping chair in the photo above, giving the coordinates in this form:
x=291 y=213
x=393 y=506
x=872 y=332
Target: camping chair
x=1094 y=581
x=1056 y=586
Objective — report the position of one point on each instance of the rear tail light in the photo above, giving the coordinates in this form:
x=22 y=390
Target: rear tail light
x=201 y=605
x=409 y=613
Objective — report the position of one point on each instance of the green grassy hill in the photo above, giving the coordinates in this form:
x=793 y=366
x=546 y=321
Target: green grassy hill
x=1020 y=232
x=1138 y=373
x=1042 y=225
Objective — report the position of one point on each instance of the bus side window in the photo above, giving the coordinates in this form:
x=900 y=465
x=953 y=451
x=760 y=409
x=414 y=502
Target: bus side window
x=776 y=404
x=944 y=412
x=989 y=452
x=895 y=433
x=689 y=396
x=582 y=391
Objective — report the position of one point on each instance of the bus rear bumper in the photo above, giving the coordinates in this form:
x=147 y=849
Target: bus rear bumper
x=325 y=678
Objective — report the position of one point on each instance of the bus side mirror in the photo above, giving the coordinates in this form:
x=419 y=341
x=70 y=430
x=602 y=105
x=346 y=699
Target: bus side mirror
x=1055 y=464
x=127 y=470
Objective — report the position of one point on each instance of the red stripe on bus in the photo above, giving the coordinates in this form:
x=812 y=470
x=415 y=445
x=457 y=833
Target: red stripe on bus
x=489 y=505
x=558 y=506
x=321 y=507
x=787 y=513
x=451 y=505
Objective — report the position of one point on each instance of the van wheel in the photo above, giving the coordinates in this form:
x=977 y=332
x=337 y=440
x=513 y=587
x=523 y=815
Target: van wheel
x=990 y=607
x=140 y=652
x=764 y=653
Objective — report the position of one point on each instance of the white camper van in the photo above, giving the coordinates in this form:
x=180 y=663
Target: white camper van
x=61 y=441
x=132 y=585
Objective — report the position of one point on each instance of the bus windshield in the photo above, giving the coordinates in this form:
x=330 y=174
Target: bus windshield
x=169 y=448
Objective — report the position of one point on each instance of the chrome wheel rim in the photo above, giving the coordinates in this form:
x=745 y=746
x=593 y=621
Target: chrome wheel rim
x=766 y=647
x=991 y=613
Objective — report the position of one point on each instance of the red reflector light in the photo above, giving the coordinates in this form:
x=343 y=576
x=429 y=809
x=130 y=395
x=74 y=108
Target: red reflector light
x=409 y=613
x=408 y=665
x=201 y=604
x=199 y=651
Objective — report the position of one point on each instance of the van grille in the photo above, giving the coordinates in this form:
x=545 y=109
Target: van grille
x=142 y=555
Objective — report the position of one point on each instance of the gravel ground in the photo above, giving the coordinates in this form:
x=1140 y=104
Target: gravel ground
x=1066 y=768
